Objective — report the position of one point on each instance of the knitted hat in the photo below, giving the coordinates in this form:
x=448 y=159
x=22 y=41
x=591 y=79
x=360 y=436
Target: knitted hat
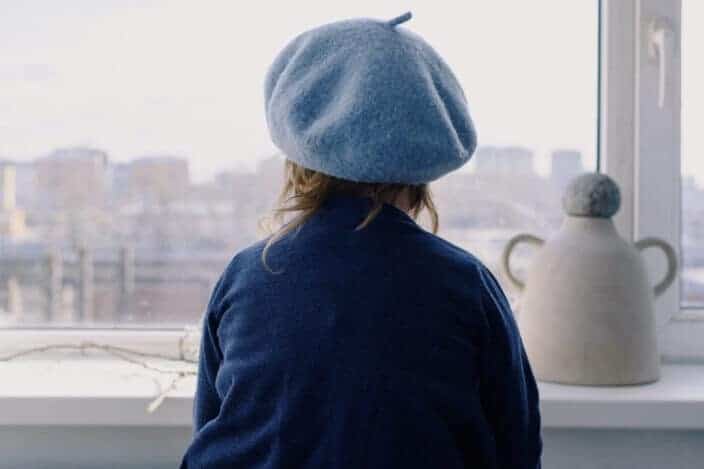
x=367 y=101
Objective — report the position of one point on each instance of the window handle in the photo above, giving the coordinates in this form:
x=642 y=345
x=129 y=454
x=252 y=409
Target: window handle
x=661 y=49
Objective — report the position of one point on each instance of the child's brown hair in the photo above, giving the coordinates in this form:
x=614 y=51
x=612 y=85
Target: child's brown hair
x=305 y=191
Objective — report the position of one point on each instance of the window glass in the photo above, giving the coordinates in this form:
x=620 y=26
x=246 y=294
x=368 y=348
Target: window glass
x=692 y=152
x=136 y=159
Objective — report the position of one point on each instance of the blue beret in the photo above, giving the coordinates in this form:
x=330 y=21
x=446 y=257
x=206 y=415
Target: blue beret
x=367 y=101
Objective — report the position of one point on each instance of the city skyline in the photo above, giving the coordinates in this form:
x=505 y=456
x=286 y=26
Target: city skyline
x=112 y=248
x=539 y=164
x=85 y=238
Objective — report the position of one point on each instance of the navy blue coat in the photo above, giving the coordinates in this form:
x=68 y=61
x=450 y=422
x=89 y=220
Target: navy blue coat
x=385 y=347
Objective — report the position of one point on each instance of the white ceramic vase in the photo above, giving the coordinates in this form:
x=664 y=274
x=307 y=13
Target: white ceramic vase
x=586 y=315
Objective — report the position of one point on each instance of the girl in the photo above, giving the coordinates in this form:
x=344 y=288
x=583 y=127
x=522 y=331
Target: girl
x=353 y=338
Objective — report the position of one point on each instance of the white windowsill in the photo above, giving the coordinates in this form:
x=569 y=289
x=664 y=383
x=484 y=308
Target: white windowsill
x=105 y=393
x=675 y=402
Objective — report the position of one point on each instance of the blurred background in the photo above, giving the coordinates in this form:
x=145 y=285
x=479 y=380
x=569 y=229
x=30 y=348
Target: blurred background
x=135 y=159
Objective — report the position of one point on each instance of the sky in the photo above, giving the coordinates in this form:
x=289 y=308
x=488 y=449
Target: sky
x=185 y=78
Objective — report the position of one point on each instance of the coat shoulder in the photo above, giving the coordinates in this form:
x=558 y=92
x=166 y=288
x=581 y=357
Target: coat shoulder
x=247 y=258
x=450 y=255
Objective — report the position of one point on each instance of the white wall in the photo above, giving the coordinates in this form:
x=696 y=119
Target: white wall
x=161 y=447
x=92 y=447
x=617 y=449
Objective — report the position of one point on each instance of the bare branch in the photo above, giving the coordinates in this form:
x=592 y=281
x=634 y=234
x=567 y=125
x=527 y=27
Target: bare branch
x=133 y=357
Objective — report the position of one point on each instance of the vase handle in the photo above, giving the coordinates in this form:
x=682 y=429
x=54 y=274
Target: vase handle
x=506 y=256
x=671 y=261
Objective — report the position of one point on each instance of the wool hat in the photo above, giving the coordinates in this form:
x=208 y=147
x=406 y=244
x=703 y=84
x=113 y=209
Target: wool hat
x=368 y=101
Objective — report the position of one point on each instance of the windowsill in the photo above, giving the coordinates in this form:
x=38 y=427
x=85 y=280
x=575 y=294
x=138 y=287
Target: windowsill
x=675 y=402
x=106 y=393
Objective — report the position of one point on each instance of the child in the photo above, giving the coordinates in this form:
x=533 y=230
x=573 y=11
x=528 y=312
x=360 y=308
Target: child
x=353 y=338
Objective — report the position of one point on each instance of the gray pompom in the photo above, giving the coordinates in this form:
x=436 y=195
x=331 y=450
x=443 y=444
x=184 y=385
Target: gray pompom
x=592 y=195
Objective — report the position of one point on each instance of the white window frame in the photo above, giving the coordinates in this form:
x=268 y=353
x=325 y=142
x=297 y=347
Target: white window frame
x=630 y=151
x=640 y=149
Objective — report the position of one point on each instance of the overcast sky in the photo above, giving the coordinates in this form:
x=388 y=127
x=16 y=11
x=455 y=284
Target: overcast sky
x=185 y=77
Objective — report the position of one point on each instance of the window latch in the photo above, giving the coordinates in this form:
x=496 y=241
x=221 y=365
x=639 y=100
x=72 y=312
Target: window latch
x=661 y=50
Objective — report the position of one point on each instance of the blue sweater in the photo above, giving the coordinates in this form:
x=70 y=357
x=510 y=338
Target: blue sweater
x=385 y=347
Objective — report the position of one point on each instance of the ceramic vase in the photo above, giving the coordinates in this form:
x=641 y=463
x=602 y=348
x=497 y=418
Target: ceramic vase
x=586 y=312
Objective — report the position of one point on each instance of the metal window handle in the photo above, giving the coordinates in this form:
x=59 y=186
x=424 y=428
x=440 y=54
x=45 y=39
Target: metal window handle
x=661 y=49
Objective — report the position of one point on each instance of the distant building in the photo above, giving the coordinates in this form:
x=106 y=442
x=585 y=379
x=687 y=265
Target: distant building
x=72 y=178
x=118 y=180
x=504 y=160
x=162 y=178
x=564 y=165
x=483 y=158
x=12 y=220
x=8 y=186
x=26 y=184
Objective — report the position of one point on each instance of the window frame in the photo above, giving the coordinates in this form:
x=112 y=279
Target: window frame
x=627 y=88
x=632 y=153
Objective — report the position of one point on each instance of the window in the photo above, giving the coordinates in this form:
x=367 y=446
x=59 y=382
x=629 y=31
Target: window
x=692 y=293
x=515 y=181
x=648 y=151
x=136 y=158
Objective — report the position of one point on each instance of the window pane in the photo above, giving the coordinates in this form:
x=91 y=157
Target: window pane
x=136 y=158
x=692 y=152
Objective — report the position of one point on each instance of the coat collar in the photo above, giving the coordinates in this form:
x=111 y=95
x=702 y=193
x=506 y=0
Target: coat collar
x=356 y=208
